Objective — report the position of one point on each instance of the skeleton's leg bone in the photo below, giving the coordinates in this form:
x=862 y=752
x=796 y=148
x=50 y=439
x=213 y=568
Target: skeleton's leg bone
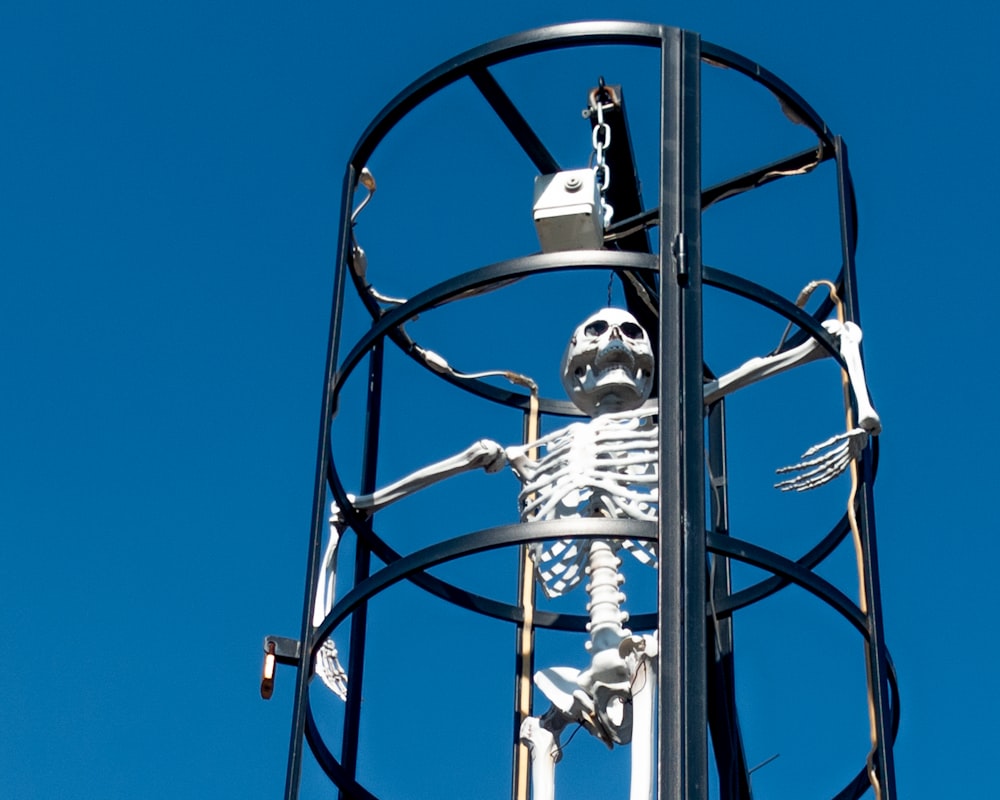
x=541 y=735
x=542 y=746
x=644 y=649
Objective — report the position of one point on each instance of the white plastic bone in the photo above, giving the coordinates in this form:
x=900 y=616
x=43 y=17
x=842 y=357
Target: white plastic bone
x=825 y=461
x=613 y=697
x=329 y=669
x=643 y=650
x=850 y=348
x=328 y=666
x=599 y=696
x=485 y=453
x=756 y=369
x=608 y=364
x=543 y=745
x=326 y=590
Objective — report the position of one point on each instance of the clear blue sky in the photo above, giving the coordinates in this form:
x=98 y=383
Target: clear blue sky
x=170 y=187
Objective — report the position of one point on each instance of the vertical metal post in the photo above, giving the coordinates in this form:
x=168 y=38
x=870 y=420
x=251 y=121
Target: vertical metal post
x=525 y=642
x=682 y=759
x=723 y=720
x=362 y=569
x=876 y=655
x=293 y=772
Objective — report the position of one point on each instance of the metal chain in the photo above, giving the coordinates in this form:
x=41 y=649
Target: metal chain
x=601 y=137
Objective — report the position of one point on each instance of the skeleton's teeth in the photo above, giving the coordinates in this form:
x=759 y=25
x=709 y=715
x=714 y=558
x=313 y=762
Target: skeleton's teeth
x=614 y=356
x=605 y=371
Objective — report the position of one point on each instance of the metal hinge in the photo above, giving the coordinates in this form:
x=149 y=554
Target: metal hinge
x=680 y=257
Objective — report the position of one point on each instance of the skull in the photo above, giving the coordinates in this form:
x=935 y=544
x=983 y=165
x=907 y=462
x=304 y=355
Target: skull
x=608 y=365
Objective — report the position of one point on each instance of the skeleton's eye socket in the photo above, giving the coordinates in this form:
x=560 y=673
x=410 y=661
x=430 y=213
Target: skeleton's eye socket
x=579 y=372
x=631 y=330
x=596 y=328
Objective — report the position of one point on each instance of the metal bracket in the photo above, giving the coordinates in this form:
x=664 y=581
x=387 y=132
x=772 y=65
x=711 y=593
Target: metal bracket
x=277 y=650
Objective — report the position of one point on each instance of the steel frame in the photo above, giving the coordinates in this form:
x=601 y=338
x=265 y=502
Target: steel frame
x=697 y=691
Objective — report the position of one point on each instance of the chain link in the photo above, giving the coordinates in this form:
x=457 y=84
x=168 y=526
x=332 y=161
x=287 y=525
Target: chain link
x=601 y=137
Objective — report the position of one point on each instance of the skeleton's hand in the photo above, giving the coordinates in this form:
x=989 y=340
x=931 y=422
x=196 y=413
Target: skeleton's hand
x=329 y=669
x=825 y=461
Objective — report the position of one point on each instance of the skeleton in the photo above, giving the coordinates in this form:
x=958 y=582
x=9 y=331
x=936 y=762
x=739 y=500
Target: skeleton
x=606 y=467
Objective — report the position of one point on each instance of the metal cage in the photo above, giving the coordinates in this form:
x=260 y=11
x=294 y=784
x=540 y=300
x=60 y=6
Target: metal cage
x=663 y=281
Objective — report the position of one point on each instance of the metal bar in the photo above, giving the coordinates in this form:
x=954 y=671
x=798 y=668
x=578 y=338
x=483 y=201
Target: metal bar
x=504 y=107
x=507 y=535
x=769 y=299
x=682 y=759
x=525 y=640
x=794 y=106
x=293 y=772
x=800 y=163
x=723 y=720
x=876 y=652
x=555 y=37
x=489 y=539
x=493 y=275
x=725 y=606
x=362 y=569
x=758 y=556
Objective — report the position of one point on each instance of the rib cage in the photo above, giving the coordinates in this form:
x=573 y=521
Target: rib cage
x=604 y=467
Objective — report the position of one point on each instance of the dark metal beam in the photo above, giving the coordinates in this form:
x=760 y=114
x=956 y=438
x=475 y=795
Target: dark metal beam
x=797 y=164
x=515 y=121
x=723 y=719
x=300 y=702
x=362 y=569
x=682 y=757
x=624 y=191
x=876 y=654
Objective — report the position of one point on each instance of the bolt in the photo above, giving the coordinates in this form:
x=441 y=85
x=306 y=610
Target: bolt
x=573 y=184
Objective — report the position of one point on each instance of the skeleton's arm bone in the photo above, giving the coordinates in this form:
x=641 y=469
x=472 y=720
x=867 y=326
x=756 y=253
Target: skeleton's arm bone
x=757 y=369
x=326 y=589
x=850 y=340
x=848 y=337
x=485 y=453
